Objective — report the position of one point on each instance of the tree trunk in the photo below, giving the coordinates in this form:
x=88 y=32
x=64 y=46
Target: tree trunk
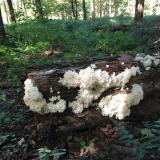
x=100 y=8
x=76 y=9
x=84 y=10
x=107 y=8
x=5 y=9
x=139 y=9
x=92 y=9
x=2 y=30
x=11 y=10
x=73 y=9
x=91 y=117
x=39 y=9
x=110 y=8
x=116 y=7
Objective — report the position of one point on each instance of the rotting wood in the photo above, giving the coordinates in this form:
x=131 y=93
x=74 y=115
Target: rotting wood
x=90 y=118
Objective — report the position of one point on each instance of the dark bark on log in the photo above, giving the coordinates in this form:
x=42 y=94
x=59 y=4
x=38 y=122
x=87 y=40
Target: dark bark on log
x=90 y=118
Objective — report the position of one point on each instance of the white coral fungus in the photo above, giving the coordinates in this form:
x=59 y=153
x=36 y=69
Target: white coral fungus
x=92 y=82
x=35 y=100
x=71 y=79
x=59 y=106
x=148 y=60
x=119 y=105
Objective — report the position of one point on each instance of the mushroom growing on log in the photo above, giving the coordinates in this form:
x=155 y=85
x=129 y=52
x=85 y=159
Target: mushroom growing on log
x=108 y=87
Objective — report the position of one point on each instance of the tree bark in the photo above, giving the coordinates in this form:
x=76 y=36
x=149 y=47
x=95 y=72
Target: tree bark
x=11 y=10
x=92 y=9
x=5 y=9
x=84 y=10
x=73 y=9
x=2 y=30
x=107 y=8
x=110 y=8
x=139 y=9
x=100 y=8
x=76 y=9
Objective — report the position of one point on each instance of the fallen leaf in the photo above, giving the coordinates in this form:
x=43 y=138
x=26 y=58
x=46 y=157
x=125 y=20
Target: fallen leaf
x=22 y=140
x=88 y=149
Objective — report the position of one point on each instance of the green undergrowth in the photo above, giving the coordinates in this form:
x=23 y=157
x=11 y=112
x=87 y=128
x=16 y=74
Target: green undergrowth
x=7 y=118
x=143 y=142
x=76 y=39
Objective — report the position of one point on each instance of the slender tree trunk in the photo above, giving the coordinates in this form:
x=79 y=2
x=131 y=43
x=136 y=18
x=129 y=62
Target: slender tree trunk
x=73 y=9
x=116 y=7
x=11 y=10
x=139 y=9
x=5 y=9
x=100 y=8
x=2 y=30
x=110 y=8
x=76 y=9
x=39 y=9
x=107 y=8
x=84 y=10
x=92 y=9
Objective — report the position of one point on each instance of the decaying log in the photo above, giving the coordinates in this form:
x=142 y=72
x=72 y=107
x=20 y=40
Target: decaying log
x=121 y=27
x=148 y=108
x=45 y=79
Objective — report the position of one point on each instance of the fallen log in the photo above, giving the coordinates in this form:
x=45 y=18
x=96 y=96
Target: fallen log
x=81 y=88
x=47 y=79
x=116 y=28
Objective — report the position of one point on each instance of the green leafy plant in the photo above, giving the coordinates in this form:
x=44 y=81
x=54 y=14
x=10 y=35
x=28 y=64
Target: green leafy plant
x=148 y=142
x=3 y=98
x=45 y=153
x=5 y=117
x=81 y=143
x=128 y=139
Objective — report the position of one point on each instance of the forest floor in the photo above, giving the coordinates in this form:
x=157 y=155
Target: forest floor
x=60 y=43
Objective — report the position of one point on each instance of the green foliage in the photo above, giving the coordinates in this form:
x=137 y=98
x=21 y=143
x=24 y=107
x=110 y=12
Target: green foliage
x=76 y=37
x=148 y=143
x=9 y=118
x=76 y=40
x=127 y=138
x=151 y=137
x=3 y=98
x=117 y=42
x=81 y=143
x=8 y=142
x=5 y=117
x=45 y=153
